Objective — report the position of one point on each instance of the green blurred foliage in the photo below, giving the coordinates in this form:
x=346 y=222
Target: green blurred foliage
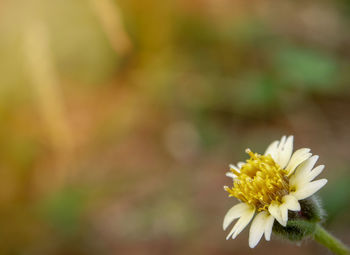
x=307 y=69
x=64 y=211
x=336 y=199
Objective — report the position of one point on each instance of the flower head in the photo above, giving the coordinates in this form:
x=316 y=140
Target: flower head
x=268 y=186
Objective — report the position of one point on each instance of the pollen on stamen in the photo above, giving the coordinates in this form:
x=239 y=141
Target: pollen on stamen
x=259 y=182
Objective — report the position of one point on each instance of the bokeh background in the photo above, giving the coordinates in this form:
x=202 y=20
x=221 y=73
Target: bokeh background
x=118 y=118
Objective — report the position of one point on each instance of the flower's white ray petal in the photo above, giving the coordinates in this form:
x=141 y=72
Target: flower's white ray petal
x=234 y=213
x=302 y=171
x=282 y=142
x=276 y=212
x=285 y=152
x=242 y=223
x=231 y=175
x=297 y=158
x=268 y=227
x=309 y=189
x=240 y=164
x=231 y=232
x=257 y=229
x=291 y=203
x=306 y=166
x=277 y=157
x=284 y=213
x=272 y=149
x=294 y=181
x=234 y=167
x=315 y=172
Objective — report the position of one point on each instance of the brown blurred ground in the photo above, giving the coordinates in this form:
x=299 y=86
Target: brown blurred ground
x=119 y=118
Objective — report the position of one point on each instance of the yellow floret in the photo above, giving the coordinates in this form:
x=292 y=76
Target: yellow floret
x=260 y=182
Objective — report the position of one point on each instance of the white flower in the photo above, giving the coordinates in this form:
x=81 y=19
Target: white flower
x=268 y=186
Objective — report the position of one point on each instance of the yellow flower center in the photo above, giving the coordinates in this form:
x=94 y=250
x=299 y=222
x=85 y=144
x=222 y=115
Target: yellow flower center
x=260 y=182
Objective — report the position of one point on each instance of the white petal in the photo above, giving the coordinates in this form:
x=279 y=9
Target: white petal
x=234 y=167
x=257 y=229
x=308 y=189
x=275 y=211
x=272 y=149
x=315 y=172
x=282 y=142
x=285 y=152
x=268 y=227
x=241 y=223
x=262 y=224
x=231 y=175
x=297 y=158
x=302 y=172
x=234 y=213
x=240 y=164
x=306 y=166
x=276 y=149
x=284 y=213
x=291 y=203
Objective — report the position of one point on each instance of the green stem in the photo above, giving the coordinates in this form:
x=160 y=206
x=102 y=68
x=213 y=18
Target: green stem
x=332 y=243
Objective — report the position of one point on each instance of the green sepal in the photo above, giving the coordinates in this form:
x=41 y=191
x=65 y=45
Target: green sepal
x=301 y=224
x=296 y=230
x=311 y=210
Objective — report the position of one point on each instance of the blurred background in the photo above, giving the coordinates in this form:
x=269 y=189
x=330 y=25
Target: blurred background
x=118 y=118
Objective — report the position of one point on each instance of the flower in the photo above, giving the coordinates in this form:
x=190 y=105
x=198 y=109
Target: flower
x=268 y=186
